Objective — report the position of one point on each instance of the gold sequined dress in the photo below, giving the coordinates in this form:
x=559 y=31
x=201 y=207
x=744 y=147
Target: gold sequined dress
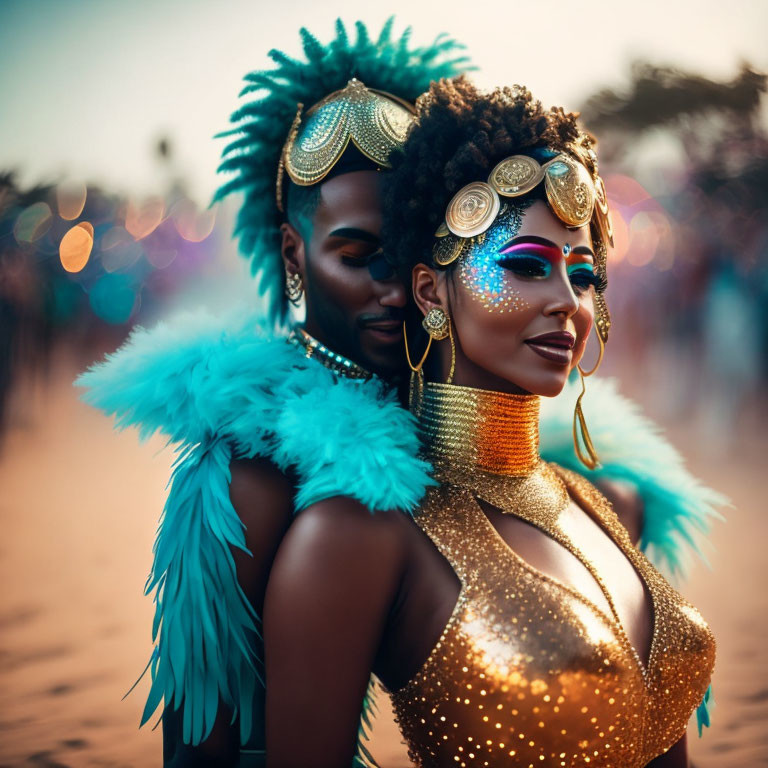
x=528 y=672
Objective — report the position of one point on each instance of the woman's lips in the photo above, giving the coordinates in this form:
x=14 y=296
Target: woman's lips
x=556 y=347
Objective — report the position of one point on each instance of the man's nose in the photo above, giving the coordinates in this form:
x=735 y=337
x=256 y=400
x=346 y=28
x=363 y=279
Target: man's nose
x=392 y=293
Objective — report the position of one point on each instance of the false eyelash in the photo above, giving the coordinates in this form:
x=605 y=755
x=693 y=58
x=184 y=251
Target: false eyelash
x=585 y=279
x=521 y=263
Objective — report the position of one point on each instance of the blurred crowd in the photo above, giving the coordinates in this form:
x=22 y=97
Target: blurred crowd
x=80 y=266
x=685 y=161
x=689 y=278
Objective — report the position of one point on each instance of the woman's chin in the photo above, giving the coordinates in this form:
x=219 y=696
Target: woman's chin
x=547 y=386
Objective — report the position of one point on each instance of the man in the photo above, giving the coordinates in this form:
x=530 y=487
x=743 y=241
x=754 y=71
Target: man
x=263 y=430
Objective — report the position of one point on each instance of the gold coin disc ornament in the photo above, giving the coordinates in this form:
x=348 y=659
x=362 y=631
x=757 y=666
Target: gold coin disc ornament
x=516 y=175
x=473 y=209
x=570 y=190
x=447 y=249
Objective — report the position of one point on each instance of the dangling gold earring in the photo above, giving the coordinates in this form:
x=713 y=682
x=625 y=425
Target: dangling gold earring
x=437 y=324
x=590 y=459
x=600 y=353
x=294 y=287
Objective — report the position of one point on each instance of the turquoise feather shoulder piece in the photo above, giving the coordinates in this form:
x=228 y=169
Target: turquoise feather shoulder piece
x=223 y=389
x=200 y=380
x=678 y=509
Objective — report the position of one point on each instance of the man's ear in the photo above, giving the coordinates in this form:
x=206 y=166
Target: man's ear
x=292 y=250
x=428 y=286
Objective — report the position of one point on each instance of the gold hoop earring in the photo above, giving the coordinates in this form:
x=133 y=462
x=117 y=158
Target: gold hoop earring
x=294 y=287
x=601 y=351
x=415 y=369
x=416 y=387
x=590 y=459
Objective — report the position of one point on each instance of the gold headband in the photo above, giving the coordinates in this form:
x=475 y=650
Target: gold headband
x=574 y=196
x=375 y=121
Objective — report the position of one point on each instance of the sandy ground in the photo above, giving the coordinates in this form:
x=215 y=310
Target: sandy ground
x=78 y=509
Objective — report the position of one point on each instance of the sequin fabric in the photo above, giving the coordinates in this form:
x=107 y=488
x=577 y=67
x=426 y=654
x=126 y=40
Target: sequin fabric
x=527 y=671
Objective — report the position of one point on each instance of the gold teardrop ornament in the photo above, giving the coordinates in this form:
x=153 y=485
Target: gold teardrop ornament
x=516 y=175
x=570 y=190
x=473 y=209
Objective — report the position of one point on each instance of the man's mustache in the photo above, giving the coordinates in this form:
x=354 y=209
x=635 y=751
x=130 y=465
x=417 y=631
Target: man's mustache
x=393 y=316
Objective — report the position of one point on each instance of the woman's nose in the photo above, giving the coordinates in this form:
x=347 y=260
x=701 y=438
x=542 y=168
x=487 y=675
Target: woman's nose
x=562 y=299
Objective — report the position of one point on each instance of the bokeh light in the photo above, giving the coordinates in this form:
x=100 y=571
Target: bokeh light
x=70 y=199
x=119 y=251
x=141 y=219
x=193 y=225
x=625 y=190
x=113 y=298
x=75 y=248
x=161 y=257
x=643 y=239
x=32 y=223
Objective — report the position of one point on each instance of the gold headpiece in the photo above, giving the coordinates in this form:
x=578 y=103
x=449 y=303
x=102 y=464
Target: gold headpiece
x=575 y=196
x=572 y=193
x=376 y=122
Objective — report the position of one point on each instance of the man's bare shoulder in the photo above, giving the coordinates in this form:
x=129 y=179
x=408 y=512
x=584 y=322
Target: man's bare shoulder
x=262 y=497
x=258 y=488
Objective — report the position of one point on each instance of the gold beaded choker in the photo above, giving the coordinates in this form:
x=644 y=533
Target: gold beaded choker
x=333 y=361
x=488 y=431
x=488 y=443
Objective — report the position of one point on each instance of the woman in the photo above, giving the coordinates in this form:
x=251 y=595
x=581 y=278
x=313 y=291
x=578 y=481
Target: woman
x=511 y=619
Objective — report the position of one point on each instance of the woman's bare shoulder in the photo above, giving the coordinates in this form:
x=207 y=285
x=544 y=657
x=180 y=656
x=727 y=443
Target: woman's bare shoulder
x=341 y=531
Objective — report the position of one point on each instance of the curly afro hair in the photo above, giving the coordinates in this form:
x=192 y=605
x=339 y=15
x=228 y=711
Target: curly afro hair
x=461 y=135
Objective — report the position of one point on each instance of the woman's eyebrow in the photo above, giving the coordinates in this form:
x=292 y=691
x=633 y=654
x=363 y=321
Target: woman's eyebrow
x=583 y=250
x=353 y=233
x=533 y=239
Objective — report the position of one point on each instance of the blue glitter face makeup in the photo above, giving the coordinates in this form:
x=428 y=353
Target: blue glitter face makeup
x=479 y=269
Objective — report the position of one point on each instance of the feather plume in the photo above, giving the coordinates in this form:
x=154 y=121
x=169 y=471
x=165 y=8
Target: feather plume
x=262 y=125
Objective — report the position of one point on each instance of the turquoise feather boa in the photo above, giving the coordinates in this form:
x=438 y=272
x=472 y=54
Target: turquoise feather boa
x=219 y=391
x=223 y=389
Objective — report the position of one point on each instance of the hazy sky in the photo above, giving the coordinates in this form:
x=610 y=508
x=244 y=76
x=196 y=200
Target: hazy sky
x=87 y=86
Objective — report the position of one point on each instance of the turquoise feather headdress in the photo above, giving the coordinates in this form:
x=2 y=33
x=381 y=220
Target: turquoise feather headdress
x=262 y=125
